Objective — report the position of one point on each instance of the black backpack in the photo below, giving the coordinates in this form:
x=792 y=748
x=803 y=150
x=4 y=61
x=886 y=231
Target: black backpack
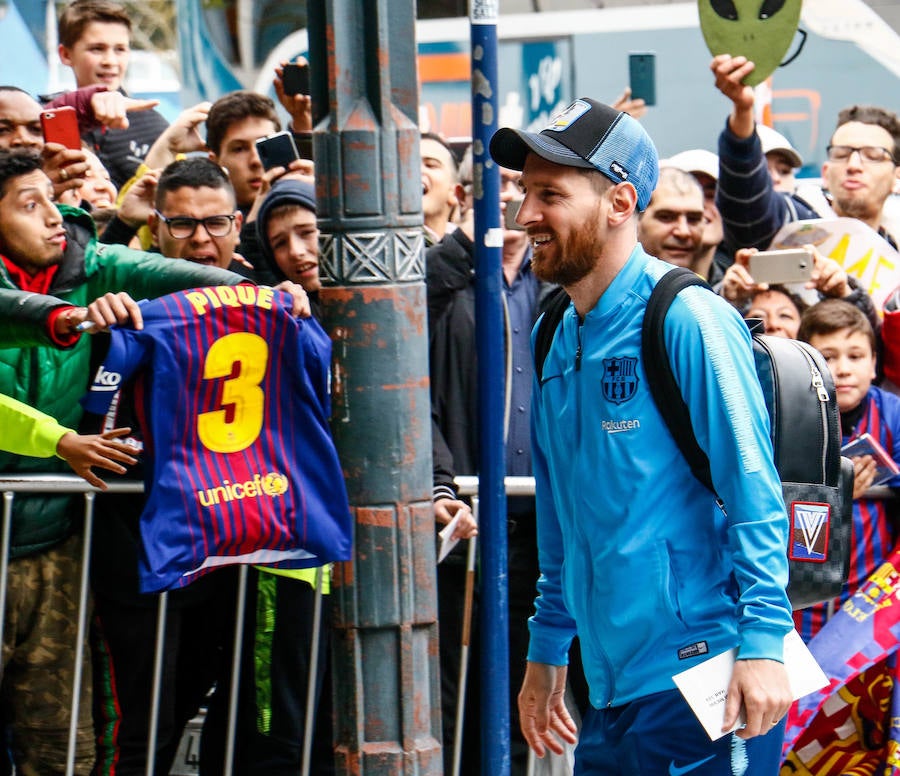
x=816 y=481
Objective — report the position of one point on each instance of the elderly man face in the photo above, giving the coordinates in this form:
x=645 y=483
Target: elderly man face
x=671 y=228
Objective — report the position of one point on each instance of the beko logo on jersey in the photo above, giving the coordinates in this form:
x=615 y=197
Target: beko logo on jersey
x=106 y=381
x=271 y=484
x=615 y=426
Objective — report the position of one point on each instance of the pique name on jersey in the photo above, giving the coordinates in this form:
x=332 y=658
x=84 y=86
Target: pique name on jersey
x=271 y=484
x=205 y=299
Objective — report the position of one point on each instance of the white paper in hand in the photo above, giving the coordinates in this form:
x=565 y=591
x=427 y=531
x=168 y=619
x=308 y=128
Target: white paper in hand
x=705 y=686
x=447 y=540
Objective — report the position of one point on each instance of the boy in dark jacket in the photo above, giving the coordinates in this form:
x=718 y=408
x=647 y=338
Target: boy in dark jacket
x=95 y=41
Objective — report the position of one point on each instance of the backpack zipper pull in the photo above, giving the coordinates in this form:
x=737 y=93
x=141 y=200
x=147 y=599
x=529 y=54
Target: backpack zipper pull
x=819 y=384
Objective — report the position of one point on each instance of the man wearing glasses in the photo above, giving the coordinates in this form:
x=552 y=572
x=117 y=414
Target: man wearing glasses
x=857 y=178
x=196 y=216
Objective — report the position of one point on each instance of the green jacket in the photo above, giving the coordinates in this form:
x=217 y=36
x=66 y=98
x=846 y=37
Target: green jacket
x=51 y=379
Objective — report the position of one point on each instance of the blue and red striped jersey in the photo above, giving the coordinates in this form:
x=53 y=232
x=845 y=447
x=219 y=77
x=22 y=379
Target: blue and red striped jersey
x=231 y=393
x=874 y=533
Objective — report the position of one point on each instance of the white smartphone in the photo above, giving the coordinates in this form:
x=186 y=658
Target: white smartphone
x=787 y=266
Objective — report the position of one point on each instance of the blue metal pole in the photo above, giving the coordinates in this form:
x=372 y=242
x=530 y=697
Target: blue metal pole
x=491 y=375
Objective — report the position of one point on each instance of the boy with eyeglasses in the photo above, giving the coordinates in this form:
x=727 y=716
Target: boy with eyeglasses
x=196 y=215
x=858 y=176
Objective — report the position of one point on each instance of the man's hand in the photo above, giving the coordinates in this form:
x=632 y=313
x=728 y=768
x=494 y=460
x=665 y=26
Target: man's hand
x=730 y=73
x=737 y=284
x=298 y=169
x=110 y=309
x=762 y=688
x=543 y=715
x=828 y=277
x=624 y=103
x=182 y=136
x=446 y=509
x=111 y=108
x=300 y=307
x=65 y=167
x=82 y=451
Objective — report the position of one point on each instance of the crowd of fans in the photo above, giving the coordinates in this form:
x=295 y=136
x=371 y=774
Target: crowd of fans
x=86 y=231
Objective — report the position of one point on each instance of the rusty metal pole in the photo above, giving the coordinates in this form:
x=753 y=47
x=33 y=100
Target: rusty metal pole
x=368 y=184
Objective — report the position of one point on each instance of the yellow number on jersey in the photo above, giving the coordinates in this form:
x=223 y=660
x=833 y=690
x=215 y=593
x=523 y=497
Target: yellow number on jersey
x=251 y=353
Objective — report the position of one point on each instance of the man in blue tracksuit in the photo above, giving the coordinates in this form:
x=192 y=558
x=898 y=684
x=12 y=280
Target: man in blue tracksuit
x=636 y=556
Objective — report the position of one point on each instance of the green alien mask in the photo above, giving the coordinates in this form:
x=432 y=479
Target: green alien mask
x=761 y=30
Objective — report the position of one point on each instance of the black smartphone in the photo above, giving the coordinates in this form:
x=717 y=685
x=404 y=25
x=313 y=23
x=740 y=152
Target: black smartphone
x=642 y=76
x=277 y=150
x=295 y=79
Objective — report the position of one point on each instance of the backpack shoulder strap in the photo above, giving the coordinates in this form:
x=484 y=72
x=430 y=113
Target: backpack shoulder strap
x=554 y=308
x=660 y=378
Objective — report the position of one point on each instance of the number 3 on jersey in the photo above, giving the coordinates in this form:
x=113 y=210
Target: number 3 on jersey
x=242 y=392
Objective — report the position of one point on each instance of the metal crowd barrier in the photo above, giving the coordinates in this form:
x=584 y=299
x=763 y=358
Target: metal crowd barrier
x=70 y=484
x=63 y=484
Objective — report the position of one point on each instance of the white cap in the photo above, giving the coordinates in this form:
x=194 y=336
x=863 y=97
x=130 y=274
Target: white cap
x=773 y=140
x=695 y=160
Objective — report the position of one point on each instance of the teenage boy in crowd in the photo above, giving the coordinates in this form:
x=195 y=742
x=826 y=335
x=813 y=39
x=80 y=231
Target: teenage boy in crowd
x=585 y=178
x=95 y=41
x=857 y=742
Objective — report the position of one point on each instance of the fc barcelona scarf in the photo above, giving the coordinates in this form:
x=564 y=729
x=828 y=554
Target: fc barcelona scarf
x=852 y=726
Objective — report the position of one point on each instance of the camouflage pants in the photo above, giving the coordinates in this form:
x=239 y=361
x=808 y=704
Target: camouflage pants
x=39 y=638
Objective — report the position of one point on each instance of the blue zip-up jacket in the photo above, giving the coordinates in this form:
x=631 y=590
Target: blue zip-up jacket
x=635 y=555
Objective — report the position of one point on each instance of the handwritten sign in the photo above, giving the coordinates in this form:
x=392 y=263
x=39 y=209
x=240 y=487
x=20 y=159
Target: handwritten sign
x=860 y=250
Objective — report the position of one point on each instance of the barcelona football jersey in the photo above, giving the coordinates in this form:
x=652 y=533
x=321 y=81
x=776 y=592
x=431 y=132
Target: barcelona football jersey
x=231 y=393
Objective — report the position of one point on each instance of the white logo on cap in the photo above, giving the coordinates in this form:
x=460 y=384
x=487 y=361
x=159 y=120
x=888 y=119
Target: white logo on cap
x=568 y=117
x=618 y=170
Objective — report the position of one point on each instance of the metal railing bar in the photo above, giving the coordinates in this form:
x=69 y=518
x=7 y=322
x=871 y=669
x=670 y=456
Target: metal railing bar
x=236 y=668
x=81 y=635
x=313 y=675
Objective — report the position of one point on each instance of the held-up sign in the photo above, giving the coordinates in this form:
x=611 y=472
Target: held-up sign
x=860 y=250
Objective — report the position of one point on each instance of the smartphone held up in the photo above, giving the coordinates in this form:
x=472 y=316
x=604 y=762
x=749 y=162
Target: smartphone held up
x=780 y=267
x=277 y=150
x=60 y=125
x=295 y=79
x=642 y=76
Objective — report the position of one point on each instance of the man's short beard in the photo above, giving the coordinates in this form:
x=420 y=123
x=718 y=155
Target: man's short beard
x=575 y=258
x=852 y=207
x=565 y=273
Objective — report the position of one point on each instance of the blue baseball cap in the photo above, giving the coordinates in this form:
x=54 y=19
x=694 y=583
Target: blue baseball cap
x=590 y=135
